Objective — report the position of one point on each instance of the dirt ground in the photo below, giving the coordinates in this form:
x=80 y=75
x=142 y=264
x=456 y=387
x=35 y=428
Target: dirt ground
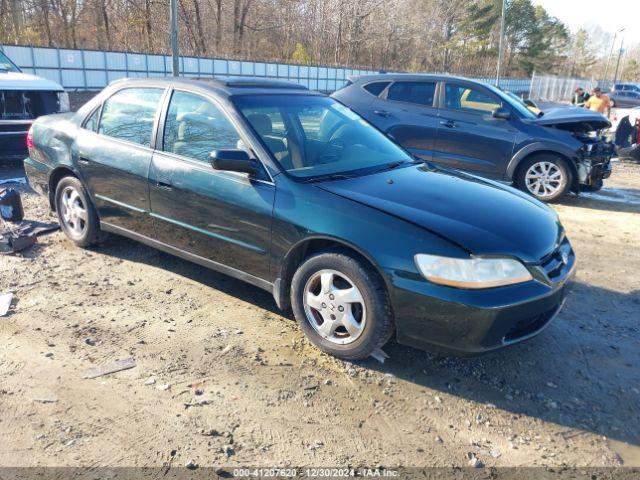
x=223 y=378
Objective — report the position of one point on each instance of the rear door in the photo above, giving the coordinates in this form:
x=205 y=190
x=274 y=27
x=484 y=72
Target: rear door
x=113 y=150
x=406 y=111
x=469 y=137
x=221 y=216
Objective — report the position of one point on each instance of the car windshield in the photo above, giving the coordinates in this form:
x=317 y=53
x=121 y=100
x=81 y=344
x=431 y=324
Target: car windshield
x=6 y=64
x=313 y=136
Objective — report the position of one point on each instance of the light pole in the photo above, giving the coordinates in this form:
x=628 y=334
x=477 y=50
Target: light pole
x=174 y=39
x=613 y=44
x=504 y=8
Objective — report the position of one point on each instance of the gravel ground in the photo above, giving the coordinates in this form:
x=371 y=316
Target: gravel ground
x=223 y=378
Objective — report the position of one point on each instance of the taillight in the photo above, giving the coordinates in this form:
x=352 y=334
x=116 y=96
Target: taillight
x=638 y=131
x=30 y=139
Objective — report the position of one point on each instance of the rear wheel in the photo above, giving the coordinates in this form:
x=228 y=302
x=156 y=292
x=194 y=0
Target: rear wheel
x=77 y=217
x=546 y=177
x=341 y=305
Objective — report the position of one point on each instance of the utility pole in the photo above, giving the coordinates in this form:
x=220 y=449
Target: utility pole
x=613 y=44
x=174 y=39
x=504 y=8
x=615 y=75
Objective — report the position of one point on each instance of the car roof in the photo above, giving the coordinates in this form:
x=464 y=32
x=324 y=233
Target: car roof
x=390 y=77
x=223 y=87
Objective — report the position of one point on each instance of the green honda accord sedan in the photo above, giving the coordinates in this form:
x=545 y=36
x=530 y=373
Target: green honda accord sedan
x=293 y=192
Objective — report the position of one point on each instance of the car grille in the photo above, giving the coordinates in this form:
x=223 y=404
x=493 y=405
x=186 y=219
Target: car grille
x=559 y=263
x=25 y=105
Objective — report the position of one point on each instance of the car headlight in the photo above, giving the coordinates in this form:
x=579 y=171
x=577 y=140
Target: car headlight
x=63 y=102
x=472 y=272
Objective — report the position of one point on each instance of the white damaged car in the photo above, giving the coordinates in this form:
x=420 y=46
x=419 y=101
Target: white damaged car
x=23 y=98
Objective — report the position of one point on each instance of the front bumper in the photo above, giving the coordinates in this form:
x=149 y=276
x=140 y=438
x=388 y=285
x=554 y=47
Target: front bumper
x=470 y=322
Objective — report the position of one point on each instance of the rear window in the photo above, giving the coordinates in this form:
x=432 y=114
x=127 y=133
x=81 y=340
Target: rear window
x=129 y=115
x=376 y=88
x=420 y=93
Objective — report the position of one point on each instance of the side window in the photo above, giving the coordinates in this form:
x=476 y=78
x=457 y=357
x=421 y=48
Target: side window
x=195 y=127
x=91 y=123
x=420 y=93
x=130 y=113
x=469 y=99
x=376 y=88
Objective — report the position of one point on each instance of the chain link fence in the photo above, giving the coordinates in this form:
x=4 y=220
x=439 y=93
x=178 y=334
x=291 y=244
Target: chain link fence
x=548 y=88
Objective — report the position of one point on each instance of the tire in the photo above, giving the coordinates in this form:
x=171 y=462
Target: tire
x=76 y=214
x=551 y=189
x=368 y=305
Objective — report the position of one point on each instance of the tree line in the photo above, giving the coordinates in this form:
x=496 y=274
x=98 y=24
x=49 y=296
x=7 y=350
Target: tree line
x=452 y=36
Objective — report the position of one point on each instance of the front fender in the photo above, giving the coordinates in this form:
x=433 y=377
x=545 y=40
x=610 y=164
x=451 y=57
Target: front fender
x=547 y=147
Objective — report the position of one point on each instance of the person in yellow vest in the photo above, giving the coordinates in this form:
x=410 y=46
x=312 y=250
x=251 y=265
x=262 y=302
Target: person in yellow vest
x=598 y=102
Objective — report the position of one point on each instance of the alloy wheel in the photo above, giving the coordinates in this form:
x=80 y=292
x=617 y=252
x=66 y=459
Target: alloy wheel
x=334 y=307
x=73 y=212
x=544 y=179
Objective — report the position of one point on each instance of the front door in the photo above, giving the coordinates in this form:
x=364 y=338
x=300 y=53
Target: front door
x=221 y=216
x=113 y=150
x=469 y=137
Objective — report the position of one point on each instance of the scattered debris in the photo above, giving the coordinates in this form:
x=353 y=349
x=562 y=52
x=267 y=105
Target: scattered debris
x=226 y=349
x=379 y=355
x=16 y=238
x=164 y=387
x=474 y=461
x=21 y=180
x=191 y=465
x=5 y=303
x=111 y=367
x=197 y=403
x=150 y=381
x=45 y=400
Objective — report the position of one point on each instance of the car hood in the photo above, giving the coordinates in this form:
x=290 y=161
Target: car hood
x=483 y=217
x=572 y=116
x=26 y=82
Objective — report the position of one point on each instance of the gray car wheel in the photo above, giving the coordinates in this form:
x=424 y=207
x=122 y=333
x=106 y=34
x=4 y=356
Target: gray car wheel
x=77 y=217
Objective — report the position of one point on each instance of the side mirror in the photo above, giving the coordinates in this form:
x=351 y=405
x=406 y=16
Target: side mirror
x=234 y=161
x=502 y=112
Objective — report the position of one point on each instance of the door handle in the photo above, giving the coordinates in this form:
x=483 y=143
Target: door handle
x=382 y=113
x=164 y=186
x=84 y=161
x=448 y=123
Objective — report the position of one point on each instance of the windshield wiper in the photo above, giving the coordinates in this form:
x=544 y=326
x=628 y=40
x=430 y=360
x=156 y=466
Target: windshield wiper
x=322 y=178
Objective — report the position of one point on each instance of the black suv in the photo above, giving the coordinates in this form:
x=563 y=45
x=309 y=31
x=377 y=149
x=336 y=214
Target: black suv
x=475 y=127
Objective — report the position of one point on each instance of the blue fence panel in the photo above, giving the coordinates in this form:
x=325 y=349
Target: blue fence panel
x=136 y=63
x=155 y=63
x=88 y=69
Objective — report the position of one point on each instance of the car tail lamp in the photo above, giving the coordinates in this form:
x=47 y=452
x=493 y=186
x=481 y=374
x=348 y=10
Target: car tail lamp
x=638 y=131
x=30 y=139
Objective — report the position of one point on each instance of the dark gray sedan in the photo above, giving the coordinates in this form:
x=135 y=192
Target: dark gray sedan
x=625 y=99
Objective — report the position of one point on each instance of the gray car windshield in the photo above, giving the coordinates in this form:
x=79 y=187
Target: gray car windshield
x=6 y=64
x=313 y=136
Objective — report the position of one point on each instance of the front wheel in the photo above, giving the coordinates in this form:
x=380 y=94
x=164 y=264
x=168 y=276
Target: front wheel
x=341 y=304
x=546 y=177
x=76 y=214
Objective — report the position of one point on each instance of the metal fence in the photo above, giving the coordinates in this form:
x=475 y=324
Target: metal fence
x=94 y=70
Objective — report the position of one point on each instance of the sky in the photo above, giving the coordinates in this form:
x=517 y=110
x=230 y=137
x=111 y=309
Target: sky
x=610 y=15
